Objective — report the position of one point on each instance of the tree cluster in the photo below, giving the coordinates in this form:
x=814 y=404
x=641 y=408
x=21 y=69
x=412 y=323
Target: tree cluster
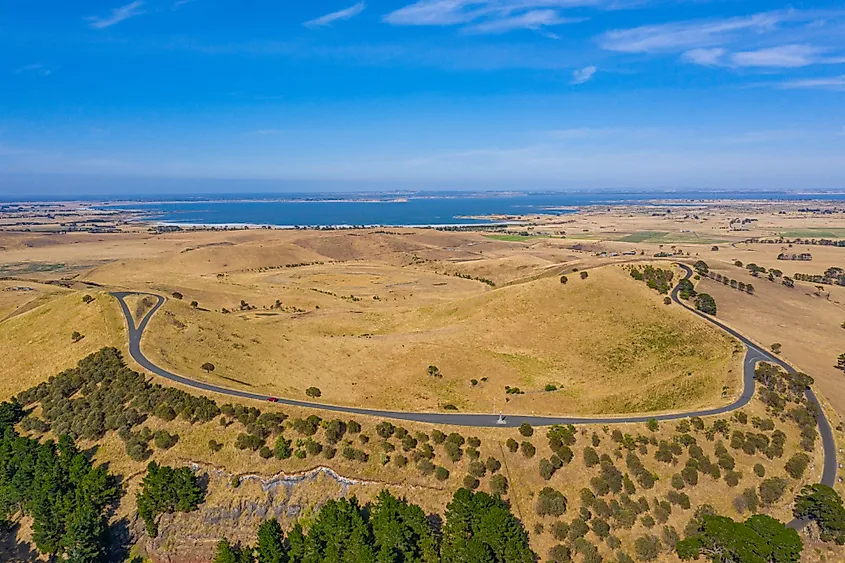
x=56 y=485
x=478 y=527
x=165 y=490
x=822 y=505
x=655 y=278
x=760 y=538
x=101 y=394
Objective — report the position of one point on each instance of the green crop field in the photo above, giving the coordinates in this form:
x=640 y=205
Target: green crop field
x=644 y=236
x=814 y=233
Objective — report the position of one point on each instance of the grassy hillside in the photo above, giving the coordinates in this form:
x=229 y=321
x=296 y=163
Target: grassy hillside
x=608 y=344
x=38 y=344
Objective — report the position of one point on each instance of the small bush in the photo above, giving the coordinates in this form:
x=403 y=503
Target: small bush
x=470 y=482
x=551 y=502
x=385 y=429
x=772 y=489
x=647 y=548
x=526 y=430
x=499 y=484
x=528 y=449
x=560 y=530
x=797 y=464
x=493 y=464
x=560 y=553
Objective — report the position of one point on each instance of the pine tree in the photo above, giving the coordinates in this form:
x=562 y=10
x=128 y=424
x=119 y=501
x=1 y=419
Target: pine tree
x=226 y=552
x=165 y=490
x=271 y=548
x=481 y=528
x=401 y=532
x=86 y=525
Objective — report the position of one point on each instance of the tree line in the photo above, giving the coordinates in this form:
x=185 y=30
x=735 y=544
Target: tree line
x=477 y=528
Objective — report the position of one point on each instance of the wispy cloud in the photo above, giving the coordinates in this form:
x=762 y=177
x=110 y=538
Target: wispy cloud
x=344 y=14
x=582 y=75
x=534 y=19
x=36 y=69
x=781 y=39
x=705 y=57
x=678 y=36
x=781 y=56
x=831 y=83
x=179 y=3
x=786 y=56
x=489 y=16
x=117 y=15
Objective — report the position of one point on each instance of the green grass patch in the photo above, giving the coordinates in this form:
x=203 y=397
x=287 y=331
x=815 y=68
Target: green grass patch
x=644 y=236
x=814 y=233
x=19 y=268
x=669 y=238
x=516 y=238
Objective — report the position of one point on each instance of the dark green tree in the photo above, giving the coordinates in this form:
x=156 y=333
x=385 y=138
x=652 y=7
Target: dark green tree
x=760 y=538
x=271 y=543
x=165 y=490
x=339 y=534
x=401 y=532
x=480 y=529
x=705 y=303
x=822 y=505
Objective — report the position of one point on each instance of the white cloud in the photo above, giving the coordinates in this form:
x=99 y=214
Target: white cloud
x=705 y=57
x=678 y=36
x=435 y=12
x=832 y=83
x=344 y=14
x=582 y=75
x=117 y=15
x=785 y=56
x=488 y=16
x=534 y=19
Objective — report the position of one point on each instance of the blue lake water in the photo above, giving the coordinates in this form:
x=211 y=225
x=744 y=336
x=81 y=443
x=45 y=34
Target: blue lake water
x=427 y=209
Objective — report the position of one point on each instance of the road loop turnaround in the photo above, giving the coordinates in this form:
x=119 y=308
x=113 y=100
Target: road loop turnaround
x=753 y=355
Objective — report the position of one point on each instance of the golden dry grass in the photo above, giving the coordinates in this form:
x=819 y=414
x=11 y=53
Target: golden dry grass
x=608 y=342
x=37 y=343
x=254 y=499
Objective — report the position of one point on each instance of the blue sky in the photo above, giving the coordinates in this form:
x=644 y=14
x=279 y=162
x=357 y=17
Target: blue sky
x=506 y=94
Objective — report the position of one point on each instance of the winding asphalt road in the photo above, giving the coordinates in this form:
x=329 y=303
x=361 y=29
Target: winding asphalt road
x=753 y=355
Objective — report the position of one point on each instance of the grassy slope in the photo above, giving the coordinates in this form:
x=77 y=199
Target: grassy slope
x=608 y=341
x=37 y=344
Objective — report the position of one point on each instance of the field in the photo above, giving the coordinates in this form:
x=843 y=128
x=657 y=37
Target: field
x=811 y=233
x=363 y=315
x=515 y=238
x=376 y=353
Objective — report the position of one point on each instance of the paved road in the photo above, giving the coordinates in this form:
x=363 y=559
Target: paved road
x=753 y=355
